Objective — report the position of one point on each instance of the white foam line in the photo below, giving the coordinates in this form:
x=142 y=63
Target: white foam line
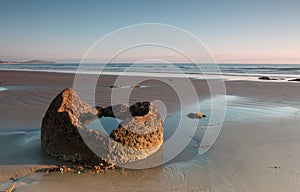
x=223 y=76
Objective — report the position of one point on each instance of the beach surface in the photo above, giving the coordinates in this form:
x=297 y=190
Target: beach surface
x=258 y=148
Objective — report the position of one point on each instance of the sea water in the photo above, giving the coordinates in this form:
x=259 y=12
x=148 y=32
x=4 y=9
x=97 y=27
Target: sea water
x=3 y=88
x=227 y=108
x=167 y=70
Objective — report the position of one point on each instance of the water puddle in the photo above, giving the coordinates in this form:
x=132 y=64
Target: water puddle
x=189 y=133
x=226 y=107
x=249 y=109
x=3 y=89
x=105 y=124
x=127 y=86
x=234 y=108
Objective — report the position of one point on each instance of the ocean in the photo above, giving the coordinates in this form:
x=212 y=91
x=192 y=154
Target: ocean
x=227 y=71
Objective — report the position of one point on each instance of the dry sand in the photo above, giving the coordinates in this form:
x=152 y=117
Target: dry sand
x=243 y=158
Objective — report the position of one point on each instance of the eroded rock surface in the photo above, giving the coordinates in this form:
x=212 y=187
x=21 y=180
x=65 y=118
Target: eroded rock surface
x=143 y=131
x=59 y=131
x=64 y=133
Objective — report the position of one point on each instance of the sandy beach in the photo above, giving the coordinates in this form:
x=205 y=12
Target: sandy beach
x=257 y=150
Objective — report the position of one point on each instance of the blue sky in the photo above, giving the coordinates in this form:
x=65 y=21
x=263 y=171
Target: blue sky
x=235 y=31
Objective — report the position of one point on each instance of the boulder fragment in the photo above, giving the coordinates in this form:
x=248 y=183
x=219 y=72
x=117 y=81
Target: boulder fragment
x=64 y=133
x=143 y=131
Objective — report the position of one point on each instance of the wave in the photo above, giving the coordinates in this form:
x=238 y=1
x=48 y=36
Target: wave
x=290 y=70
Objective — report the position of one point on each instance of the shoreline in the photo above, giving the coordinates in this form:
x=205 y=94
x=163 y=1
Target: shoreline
x=288 y=78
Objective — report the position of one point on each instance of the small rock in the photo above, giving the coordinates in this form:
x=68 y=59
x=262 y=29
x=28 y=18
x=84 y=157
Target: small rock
x=64 y=168
x=13 y=179
x=98 y=169
x=297 y=79
x=79 y=167
x=196 y=115
x=53 y=169
x=200 y=115
x=276 y=166
x=268 y=78
x=115 y=86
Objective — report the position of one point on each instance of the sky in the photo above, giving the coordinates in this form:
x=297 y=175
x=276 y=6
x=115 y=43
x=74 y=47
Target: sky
x=235 y=31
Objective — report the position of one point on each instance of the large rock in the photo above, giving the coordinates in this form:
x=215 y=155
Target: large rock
x=59 y=131
x=64 y=133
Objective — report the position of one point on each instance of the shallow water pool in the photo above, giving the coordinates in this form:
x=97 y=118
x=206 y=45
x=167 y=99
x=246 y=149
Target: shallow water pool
x=3 y=89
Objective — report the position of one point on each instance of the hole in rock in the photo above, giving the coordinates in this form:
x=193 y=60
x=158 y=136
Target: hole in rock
x=106 y=124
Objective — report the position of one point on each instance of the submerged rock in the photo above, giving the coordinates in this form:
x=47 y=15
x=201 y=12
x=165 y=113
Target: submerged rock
x=268 y=78
x=297 y=79
x=64 y=133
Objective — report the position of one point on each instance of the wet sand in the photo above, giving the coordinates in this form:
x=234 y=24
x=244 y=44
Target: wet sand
x=243 y=158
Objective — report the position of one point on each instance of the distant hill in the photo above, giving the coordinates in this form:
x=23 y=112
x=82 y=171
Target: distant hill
x=27 y=62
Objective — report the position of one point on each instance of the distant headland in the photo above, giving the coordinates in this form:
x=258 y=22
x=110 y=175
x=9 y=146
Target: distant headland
x=27 y=62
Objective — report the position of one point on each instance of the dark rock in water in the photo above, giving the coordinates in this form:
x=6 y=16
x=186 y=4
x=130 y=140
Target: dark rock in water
x=196 y=115
x=268 y=78
x=64 y=133
x=297 y=79
x=264 y=78
x=114 y=86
